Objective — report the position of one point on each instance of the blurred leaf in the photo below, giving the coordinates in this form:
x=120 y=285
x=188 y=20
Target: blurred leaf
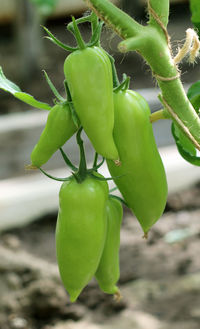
x=184 y=141
x=185 y=147
x=45 y=7
x=194 y=95
x=13 y=89
x=195 y=10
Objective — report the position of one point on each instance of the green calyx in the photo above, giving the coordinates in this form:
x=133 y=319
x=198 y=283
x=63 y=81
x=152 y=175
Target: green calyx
x=53 y=88
x=73 y=28
x=124 y=84
x=83 y=172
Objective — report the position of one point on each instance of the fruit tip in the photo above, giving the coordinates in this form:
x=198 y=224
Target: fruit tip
x=145 y=236
x=117 y=162
x=117 y=295
x=30 y=167
x=73 y=295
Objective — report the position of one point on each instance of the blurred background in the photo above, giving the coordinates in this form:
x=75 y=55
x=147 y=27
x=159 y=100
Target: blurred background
x=160 y=278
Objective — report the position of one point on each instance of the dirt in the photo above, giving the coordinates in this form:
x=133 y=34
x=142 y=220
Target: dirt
x=159 y=281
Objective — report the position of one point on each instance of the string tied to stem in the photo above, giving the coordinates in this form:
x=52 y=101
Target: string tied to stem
x=191 y=46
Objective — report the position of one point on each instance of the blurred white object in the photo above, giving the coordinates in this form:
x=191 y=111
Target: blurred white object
x=176 y=236
x=27 y=198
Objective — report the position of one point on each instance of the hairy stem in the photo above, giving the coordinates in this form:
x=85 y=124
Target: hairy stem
x=161 y=8
x=111 y=15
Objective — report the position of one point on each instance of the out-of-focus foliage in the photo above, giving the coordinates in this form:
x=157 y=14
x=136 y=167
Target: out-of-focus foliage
x=45 y=6
x=186 y=149
x=195 y=10
x=13 y=89
x=194 y=95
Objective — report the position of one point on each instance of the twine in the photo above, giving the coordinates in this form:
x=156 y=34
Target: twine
x=160 y=23
x=194 y=51
x=181 y=124
x=191 y=46
x=159 y=77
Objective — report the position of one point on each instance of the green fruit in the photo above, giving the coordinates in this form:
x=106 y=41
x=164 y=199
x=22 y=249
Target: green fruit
x=108 y=271
x=88 y=73
x=59 y=128
x=142 y=180
x=80 y=232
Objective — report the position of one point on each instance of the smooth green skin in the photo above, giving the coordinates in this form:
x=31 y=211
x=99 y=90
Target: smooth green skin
x=143 y=183
x=108 y=271
x=89 y=75
x=151 y=42
x=80 y=232
x=59 y=128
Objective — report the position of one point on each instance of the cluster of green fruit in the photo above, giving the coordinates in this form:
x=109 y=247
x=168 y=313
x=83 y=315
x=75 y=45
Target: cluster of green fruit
x=117 y=122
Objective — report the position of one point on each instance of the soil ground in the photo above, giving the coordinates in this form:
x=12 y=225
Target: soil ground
x=159 y=281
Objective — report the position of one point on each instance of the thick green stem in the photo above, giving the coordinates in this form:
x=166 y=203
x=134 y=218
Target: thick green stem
x=161 y=8
x=119 y=21
x=152 y=42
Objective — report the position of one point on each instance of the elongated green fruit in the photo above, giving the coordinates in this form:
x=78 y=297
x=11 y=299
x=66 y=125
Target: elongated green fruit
x=89 y=76
x=153 y=43
x=143 y=181
x=59 y=128
x=80 y=232
x=108 y=271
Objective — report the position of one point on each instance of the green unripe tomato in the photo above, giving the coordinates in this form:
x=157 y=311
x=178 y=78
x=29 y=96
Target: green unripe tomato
x=59 y=128
x=88 y=73
x=143 y=181
x=108 y=271
x=80 y=232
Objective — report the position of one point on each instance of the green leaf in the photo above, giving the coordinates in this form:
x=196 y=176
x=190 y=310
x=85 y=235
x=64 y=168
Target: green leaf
x=184 y=146
x=184 y=141
x=197 y=27
x=13 y=89
x=45 y=7
x=194 y=95
x=186 y=149
x=195 y=10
